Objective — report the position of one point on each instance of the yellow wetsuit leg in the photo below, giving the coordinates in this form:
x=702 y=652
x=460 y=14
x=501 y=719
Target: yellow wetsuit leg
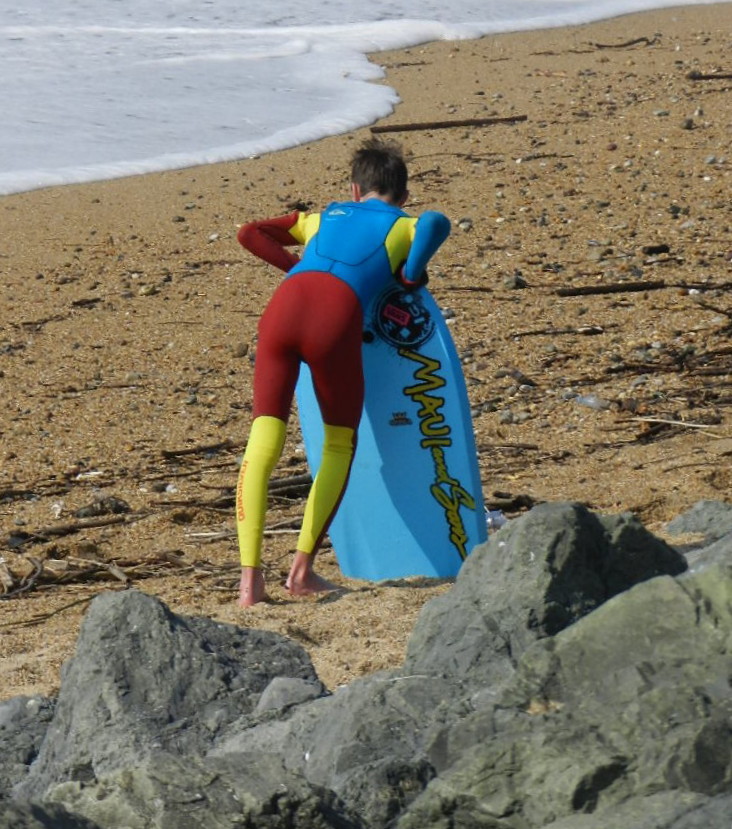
x=264 y=447
x=328 y=486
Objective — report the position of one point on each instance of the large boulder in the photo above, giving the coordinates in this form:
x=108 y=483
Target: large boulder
x=535 y=577
x=366 y=743
x=144 y=680
x=632 y=700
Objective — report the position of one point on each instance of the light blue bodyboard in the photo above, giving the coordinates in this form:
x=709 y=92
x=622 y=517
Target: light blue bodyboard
x=413 y=505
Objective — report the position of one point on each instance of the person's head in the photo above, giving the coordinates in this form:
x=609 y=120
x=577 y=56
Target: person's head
x=378 y=169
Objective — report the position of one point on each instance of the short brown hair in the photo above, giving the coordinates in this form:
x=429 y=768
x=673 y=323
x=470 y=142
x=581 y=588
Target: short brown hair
x=379 y=167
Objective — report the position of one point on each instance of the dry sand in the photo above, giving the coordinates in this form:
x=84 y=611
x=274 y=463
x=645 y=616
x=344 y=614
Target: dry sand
x=129 y=314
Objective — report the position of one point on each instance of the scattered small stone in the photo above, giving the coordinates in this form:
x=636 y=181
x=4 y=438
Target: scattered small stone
x=592 y=401
x=654 y=250
x=240 y=350
x=465 y=224
x=515 y=281
x=108 y=505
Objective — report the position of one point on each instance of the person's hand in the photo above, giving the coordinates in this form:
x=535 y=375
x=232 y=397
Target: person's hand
x=412 y=286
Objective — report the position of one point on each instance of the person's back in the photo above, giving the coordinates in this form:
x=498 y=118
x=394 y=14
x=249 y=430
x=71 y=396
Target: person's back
x=365 y=244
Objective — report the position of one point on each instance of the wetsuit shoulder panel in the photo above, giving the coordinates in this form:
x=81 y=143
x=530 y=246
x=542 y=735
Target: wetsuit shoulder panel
x=399 y=240
x=305 y=227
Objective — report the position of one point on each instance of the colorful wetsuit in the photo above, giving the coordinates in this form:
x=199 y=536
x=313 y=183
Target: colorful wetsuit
x=352 y=251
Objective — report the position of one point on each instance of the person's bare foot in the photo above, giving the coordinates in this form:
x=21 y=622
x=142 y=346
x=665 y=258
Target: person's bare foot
x=251 y=586
x=303 y=580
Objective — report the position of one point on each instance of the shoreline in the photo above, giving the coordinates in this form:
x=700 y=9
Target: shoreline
x=131 y=319
x=707 y=14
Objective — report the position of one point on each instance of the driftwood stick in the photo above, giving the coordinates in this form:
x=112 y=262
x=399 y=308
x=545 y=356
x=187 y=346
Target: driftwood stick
x=634 y=42
x=669 y=422
x=441 y=125
x=481 y=289
x=293 y=482
x=586 y=330
x=83 y=524
x=196 y=450
x=727 y=312
x=709 y=76
x=614 y=288
x=43 y=617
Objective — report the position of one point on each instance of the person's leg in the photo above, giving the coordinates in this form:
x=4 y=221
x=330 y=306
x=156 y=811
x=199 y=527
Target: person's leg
x=275 y=374
x=264 y=447
x=333 y=353
x=323 y=500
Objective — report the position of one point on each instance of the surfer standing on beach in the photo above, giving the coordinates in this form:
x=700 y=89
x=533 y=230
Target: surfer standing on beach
x=352 y=251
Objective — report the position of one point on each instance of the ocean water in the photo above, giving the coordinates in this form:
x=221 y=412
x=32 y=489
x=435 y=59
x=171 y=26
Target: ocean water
x=96 y=89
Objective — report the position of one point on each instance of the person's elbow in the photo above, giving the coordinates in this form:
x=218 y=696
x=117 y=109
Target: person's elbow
x=246 y=235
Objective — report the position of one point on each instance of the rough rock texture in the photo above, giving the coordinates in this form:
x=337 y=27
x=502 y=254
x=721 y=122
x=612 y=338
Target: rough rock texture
x=577 y=676
x=713 y=519
x=535 y=577
x=144 y=680
x=23 y=725
x=35 y=816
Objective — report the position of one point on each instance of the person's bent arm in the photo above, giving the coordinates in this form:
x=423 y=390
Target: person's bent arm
x=430 y=231
x=269 y=238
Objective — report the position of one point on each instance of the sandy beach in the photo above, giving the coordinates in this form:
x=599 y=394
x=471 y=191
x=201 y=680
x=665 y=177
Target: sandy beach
x=591 y=255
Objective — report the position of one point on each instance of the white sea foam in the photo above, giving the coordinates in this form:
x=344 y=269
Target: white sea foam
x=96 y=89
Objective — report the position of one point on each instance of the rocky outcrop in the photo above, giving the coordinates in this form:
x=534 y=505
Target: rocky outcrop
x=577 y=676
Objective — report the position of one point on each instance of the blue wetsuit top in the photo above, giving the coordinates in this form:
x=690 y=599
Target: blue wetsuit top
x=369 y=243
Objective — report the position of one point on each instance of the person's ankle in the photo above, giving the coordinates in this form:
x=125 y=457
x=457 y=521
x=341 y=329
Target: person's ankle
x=251 y=586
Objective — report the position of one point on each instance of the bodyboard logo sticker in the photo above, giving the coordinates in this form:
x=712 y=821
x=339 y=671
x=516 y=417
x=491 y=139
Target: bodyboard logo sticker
x=402 y=320
x=400 y=419
x=436 y=433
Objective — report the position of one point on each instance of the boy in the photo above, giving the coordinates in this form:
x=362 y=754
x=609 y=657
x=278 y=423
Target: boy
x=353 y=250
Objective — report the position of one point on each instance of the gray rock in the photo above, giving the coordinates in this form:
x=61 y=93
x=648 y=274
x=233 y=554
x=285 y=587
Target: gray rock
x=23 y=725
x=25 y=815
x=576 y=677
x=284 y=692
x=712 y=518
x=143 y=679
x=537 y=575
x=365 y=743
x=169 y=792
x=666 y=810
x=631 y=700
x=720 y=552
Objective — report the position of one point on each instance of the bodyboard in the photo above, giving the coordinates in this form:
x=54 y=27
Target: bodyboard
x=413 y=505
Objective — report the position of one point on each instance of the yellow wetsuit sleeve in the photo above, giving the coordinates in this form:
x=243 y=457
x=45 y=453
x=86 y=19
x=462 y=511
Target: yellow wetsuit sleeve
x=305 y=227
